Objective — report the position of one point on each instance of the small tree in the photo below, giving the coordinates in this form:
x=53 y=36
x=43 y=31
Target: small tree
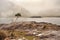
x=17 y=16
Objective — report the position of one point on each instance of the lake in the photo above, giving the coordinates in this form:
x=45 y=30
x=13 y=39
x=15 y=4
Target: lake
x=54 y=20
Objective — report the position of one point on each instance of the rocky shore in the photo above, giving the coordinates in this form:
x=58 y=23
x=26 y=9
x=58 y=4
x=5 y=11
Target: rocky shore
x=36 y=30
x=30 y=25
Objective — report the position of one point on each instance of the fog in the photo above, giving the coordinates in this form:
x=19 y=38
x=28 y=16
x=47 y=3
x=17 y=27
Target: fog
x=29 y=7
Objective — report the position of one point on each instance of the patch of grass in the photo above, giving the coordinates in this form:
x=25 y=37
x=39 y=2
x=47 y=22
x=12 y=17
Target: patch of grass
x=30 y=37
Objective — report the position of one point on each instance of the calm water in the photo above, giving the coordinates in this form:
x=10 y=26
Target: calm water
x=50 y=20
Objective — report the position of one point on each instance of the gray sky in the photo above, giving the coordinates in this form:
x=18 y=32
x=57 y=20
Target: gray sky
x=35 y=7
x=38 y=5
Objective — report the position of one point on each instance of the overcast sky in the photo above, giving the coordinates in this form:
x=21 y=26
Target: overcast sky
x=35 y=7
x=38 y=5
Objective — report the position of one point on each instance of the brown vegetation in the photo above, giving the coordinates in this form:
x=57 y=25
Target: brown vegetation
x=2 y=35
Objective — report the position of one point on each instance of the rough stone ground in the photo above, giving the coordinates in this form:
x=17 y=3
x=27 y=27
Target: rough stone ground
x=48 y=31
